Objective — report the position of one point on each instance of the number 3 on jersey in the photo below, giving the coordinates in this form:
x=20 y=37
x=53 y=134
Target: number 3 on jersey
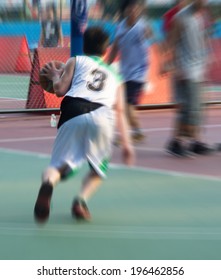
x=98 y=80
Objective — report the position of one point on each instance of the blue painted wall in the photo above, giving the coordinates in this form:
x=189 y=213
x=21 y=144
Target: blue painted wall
x=32 y=30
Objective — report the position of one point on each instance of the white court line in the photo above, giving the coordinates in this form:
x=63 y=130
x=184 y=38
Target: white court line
x=167 y=172
x=42 y=138
x=25 y=153
x=125 y=232
x=122 y=166
x=98 y=231
x=11 y=140
x=12 y=100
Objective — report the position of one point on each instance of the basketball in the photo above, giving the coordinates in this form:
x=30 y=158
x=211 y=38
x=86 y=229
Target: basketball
x=44 y=82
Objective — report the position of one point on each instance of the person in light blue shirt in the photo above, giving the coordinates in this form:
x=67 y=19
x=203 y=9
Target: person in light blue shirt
x=133 y=49
x=131 y=43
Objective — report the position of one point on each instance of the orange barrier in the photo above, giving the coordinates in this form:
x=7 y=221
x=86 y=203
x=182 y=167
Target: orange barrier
x=23 y=63
x=14 y=55
x=37 y=97
x=158 y=88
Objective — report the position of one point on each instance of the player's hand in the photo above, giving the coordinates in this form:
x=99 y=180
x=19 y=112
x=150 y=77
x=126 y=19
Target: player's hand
x=50 y=71
x=128 y=155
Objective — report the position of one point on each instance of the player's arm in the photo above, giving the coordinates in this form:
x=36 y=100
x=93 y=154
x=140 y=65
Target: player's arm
x=128 y=152
x=62 y=84
x=61 y=78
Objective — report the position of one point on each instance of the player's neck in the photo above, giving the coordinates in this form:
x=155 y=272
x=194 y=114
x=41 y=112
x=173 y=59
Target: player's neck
x=96 y=57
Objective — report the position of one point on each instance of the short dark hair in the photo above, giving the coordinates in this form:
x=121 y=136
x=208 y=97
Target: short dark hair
x=95 y=41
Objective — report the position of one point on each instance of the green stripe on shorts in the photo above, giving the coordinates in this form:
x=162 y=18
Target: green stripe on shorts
x=104 y=165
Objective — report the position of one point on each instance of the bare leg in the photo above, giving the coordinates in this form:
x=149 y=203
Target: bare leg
x=90 y=185
x=51 y=175
x=134 y=123
x=132 y=116
x=50 y=178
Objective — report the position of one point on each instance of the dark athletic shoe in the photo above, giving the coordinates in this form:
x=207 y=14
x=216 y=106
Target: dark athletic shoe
x=217 y=147
x=137 y=137
x=117 y=142
x=80 y=210
x=200 y=148
x=42 y=205
x=175 y=148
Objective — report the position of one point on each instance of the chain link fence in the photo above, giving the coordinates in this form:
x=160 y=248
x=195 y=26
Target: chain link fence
x=22 y=55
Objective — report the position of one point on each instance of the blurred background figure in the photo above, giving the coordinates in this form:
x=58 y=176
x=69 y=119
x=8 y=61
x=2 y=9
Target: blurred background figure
x=187 y=40
x=35 y=8
x=130 y=41
x=51 y=32
x=174 y=146
x=27 y=10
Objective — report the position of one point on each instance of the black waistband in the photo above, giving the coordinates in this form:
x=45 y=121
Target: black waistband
x=72 y=107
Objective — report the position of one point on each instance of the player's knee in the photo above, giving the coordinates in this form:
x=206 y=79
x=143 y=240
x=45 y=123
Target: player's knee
x=66 y=171
x=51 y=175
x=96 y=173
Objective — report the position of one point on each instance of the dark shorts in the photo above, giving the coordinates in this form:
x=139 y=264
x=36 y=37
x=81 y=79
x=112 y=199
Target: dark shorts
x=133 y=91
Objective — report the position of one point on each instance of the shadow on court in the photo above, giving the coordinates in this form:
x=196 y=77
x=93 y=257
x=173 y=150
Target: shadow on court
x=137 y=214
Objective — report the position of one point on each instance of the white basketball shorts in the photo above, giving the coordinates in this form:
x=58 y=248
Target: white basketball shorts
x=87 y=137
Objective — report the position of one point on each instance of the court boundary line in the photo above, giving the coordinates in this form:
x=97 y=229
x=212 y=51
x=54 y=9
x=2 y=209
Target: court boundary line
x=7 y=99
x=126 y=232
x=112 y=231
x=41 y=138
x=124 y=167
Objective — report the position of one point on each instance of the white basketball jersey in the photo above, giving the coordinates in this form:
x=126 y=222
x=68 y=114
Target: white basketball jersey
x=94 y=81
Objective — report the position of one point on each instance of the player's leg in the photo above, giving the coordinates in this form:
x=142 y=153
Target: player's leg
x=134 y=122
x=197 y=146
x=132 y=93
x=98 y=149
x=51 y=176
x=90 y=185
x=175 y=145
x=133 y=90
x=67 y=155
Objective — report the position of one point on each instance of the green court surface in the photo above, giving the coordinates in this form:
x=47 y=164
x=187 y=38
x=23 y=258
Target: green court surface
x=17 y=86
x=137 y=214
x=14 y=86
